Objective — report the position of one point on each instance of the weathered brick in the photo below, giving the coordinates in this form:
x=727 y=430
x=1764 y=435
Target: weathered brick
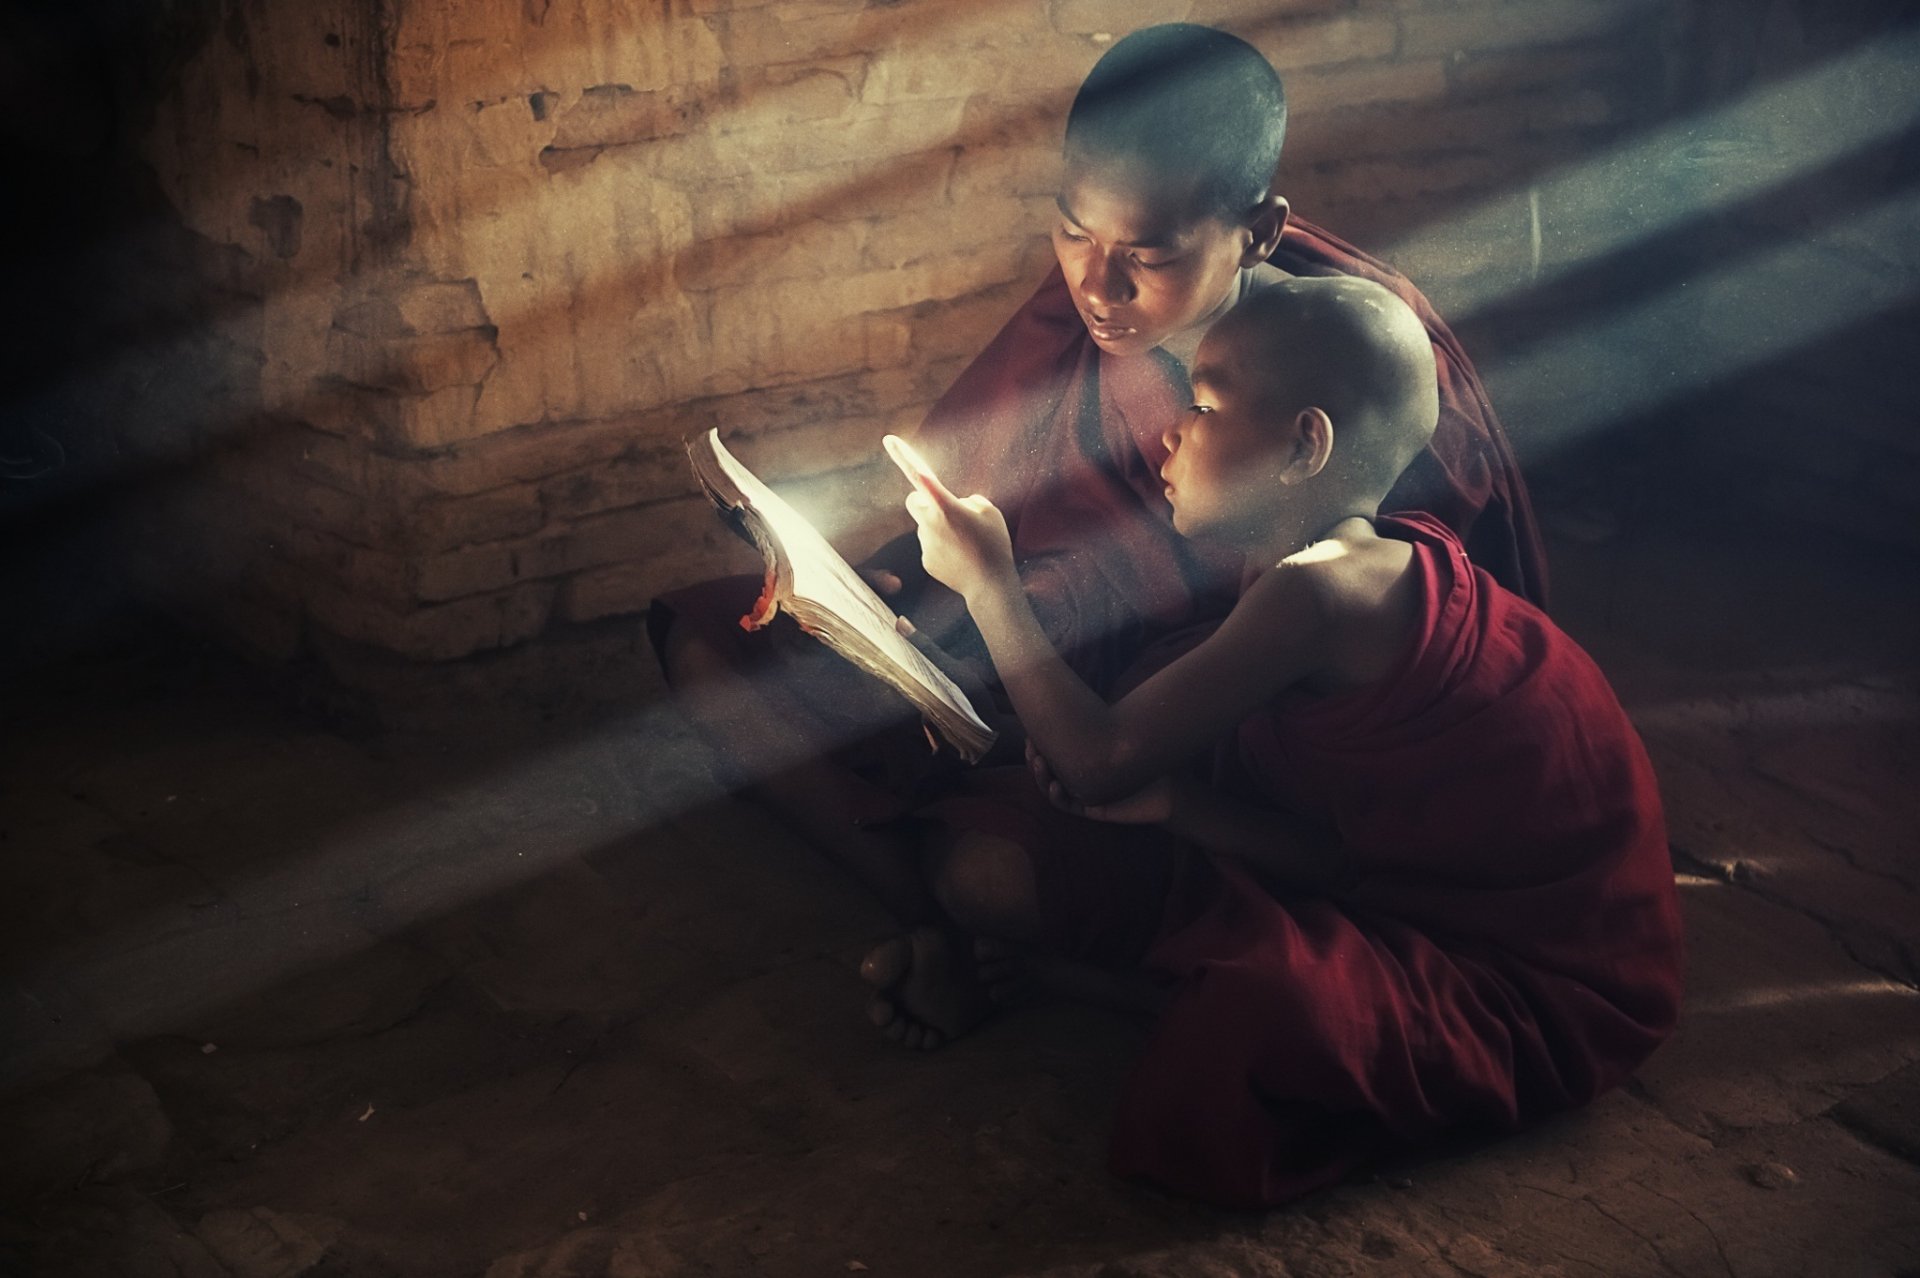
x=413 y=365
x=1365 y=83
x=688 y=542
x=943 y=228
x=804 y=94
x=1031 y=171
x=888 y=340
x=444 y=632
x=538 y=451
x=759 y=411
x=802 y=250
x=1504 y=26
x=878 y=134
x=1415 y=176
x=563 y=547
x=1576 y=66
x=644 y=472
x=1417 y=133
x=866 y=191
x=832 y=444
x=923 y=70
x=964 y=325
x=473 y=570
x=619 y=115
x=1313 y=42
x=931 y=278
x=806 y=32
x=444 y=523
x=380 y=573
x=433 y=421
x=1114 y=17
x=627 y=589
x=1242 y=14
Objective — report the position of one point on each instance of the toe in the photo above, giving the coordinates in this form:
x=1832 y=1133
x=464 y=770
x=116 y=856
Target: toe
x=882 y=1012
x=887 y=963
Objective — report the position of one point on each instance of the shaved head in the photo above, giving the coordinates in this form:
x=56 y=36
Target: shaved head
x=1183 y=108
x=1352 y=349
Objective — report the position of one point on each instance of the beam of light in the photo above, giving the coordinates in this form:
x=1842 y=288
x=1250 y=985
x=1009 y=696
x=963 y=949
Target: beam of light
x=1681 y=171
x=1708 y=328
x=1777 y=997
x=322 y=899
x=438 y=852
x=1841 y=704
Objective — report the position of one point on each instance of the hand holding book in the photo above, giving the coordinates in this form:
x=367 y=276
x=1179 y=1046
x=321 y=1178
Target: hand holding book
x=809 y=580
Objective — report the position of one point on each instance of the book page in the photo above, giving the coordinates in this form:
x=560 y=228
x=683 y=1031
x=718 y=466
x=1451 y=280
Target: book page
x=832 y=595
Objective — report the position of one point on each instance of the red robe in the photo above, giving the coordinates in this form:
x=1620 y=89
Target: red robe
x=1066 y=441
x=1512 y=947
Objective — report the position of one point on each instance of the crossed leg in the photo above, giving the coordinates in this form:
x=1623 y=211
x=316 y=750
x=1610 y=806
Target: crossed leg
x=939 y=980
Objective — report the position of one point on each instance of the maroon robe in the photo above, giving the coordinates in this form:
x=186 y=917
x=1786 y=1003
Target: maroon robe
x=1066 y=440
x=1512 y=946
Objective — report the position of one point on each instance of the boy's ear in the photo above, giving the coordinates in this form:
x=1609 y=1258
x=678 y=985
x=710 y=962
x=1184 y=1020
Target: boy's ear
x=1312 y=444
x=1269 y=219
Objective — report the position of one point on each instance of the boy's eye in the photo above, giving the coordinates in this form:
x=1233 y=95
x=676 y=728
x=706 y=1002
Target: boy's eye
x=1068 y=233
x=1154 y=266
x=1200 y=409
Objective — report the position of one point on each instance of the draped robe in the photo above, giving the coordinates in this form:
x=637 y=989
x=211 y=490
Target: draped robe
x=1509 y=948
x=1066 y=440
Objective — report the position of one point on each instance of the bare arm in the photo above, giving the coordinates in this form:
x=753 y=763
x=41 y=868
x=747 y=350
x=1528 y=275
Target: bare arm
x=1280 y=847
x=1273 y=638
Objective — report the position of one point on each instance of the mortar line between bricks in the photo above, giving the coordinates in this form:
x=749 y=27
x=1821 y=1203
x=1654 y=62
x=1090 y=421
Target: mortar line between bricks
x=1835 y=932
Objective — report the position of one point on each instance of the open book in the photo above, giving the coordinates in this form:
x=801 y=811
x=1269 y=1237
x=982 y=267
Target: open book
x=807 y=578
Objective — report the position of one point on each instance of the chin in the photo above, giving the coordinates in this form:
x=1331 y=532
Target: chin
x=1134 y=343
x=1125 y=346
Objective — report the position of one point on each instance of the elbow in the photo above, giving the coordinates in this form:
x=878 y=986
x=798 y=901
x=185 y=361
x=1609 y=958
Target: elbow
x=1110 y=775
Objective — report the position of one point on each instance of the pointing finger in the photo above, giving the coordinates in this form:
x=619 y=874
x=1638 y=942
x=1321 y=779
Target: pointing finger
x=915 y=468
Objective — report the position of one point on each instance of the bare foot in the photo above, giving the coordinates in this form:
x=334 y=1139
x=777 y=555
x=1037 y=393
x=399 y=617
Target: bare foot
x=928 y=989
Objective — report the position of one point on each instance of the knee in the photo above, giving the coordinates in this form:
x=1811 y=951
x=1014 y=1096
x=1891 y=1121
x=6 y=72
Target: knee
x=687 y=658
x=985 y=884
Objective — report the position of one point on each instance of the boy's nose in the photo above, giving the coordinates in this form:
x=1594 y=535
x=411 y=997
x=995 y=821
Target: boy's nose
x=1170 y=440
x=1107 y=283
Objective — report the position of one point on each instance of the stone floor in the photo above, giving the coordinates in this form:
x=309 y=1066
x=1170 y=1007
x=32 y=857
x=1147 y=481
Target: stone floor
x=285 y=999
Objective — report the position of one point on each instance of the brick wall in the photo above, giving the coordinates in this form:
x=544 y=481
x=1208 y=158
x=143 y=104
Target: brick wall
x=504 y=255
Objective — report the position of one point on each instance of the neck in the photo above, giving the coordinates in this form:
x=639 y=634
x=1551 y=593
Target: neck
x=1184 y=344
x=1295 y=535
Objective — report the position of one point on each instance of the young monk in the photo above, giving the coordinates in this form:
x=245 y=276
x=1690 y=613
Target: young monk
x=1431 y=892
x=1166 y=219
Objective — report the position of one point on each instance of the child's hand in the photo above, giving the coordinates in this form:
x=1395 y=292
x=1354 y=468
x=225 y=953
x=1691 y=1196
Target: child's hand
x=1152 y=804
x=964 y=543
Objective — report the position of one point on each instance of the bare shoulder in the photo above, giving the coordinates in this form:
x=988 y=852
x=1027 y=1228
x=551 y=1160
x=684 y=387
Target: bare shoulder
x=1365 y=591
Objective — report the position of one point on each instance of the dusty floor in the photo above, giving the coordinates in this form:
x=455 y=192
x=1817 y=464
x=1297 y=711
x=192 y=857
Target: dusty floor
x=284 y=1000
